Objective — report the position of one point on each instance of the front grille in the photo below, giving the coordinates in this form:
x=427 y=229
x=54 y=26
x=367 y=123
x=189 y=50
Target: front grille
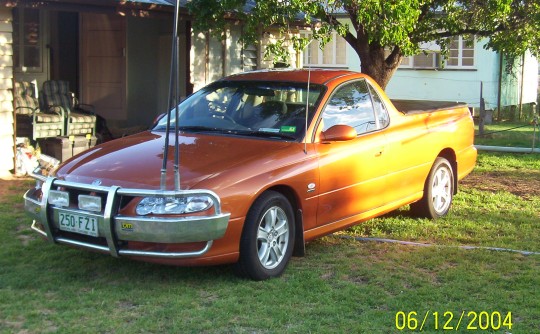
x=117 y=231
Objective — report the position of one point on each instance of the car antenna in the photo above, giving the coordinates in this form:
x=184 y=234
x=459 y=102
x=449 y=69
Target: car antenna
x=307 y=106
x=173 y=100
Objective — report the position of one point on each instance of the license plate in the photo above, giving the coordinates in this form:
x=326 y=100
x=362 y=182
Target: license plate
x=78 y=223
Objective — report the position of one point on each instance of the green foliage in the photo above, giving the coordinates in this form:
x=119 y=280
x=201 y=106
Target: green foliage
x=398 y=26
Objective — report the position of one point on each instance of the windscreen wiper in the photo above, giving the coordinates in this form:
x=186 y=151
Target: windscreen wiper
x=200 y=128
x=267 y=134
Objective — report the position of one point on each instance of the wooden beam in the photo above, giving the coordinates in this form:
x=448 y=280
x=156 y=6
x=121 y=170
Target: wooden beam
x=124 y=8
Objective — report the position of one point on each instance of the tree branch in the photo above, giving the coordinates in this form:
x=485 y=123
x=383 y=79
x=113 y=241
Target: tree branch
x=360 y=41
x=349 y=37
x=424 y=11
x=394 y=57
x=470 y=31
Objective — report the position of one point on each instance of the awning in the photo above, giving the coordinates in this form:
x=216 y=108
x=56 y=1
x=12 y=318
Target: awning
x=158 y=2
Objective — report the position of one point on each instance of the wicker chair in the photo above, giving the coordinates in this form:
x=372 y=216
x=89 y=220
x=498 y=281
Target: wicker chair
x=80 y=118
x=31 y=121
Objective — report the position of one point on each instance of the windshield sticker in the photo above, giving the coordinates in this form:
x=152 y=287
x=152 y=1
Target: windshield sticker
x=288 y=128
x=269 y=130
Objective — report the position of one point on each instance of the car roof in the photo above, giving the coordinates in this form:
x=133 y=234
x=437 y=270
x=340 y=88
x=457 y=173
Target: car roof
x=316 y=76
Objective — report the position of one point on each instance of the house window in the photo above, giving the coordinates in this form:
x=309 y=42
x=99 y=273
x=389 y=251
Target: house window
x=461 y=55
x=27 y=39
x=334 y=53
x=427 y=60
x=461 y=52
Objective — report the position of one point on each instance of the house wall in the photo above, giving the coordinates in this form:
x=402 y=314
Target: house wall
x=353 y=60
x=271 y=37
x=6 y=96
x=234 y=62
x=450 y=84
x=514 y=77
x=212 y=59
x=463 y=84
x=200 y=56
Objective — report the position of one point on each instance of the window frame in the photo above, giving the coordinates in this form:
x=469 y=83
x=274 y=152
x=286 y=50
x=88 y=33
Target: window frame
x=320 y=53
x=460 y=56
x=411 y=65
x=384 y=109
x=19 y=42
x=442 y=64
x=370 y=91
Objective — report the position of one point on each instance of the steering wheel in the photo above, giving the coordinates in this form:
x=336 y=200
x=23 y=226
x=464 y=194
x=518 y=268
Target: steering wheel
x=222 y=115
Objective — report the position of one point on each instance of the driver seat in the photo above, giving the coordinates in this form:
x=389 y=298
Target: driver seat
x=267 y=114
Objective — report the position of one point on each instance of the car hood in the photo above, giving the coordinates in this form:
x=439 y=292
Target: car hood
x=136 y=161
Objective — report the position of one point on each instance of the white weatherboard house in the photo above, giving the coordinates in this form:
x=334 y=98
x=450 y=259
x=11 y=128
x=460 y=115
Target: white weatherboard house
x=430 y=77
x=467 y=68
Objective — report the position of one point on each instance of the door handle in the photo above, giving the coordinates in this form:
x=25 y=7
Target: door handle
x=379 y=152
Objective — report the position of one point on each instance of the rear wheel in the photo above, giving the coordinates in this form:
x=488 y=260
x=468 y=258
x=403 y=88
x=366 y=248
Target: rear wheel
x=438 y=191
x=268 y=237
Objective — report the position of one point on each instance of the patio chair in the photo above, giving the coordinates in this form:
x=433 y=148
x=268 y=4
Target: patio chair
x=80 y=119
x=31 y=121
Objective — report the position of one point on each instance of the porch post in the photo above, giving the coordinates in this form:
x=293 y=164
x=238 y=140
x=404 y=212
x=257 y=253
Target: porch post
x=7 y=126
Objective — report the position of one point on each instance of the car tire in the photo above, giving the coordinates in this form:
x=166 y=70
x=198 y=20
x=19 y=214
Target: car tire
x=267 y=239
x=438 y=191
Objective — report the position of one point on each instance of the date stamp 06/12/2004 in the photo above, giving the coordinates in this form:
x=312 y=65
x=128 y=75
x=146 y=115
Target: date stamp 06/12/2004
x=448 y=320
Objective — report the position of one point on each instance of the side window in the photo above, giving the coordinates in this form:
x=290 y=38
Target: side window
x=380 y=109
x=351 y=105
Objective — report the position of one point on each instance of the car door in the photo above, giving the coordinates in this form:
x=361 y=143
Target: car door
x=406 y=145
x=352 y=172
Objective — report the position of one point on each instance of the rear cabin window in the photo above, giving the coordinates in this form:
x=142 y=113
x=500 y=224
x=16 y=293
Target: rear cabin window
x=351 y=105
x=380 y=109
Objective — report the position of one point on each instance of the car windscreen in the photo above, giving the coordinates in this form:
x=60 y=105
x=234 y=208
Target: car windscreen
x=248 y=108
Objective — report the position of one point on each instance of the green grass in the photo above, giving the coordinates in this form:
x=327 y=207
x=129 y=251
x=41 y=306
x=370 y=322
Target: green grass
x=341 y=286
x=479 y=218
x=509 y=134
x=522 y=164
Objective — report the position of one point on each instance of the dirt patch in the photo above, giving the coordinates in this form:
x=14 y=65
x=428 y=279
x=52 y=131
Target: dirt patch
x=14 y=186
x=524 y=186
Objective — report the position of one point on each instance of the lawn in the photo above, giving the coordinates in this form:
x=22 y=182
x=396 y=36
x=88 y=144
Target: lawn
x=341 y=286
x=509 y=134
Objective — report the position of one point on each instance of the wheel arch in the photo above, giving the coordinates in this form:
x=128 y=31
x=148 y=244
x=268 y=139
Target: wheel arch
x=450 y=155
x=294 y=200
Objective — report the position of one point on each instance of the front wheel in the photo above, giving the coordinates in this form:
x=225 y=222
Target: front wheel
x=268 y=237
x=438 y=191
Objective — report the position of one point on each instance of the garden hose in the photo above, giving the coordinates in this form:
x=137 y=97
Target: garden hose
x=419 y=244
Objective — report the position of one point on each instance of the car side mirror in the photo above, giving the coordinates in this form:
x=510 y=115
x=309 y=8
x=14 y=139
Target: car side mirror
x=339 y=132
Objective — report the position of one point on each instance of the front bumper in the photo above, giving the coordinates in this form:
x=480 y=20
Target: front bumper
x=116 y=231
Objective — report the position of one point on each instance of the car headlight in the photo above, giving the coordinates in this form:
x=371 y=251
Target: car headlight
x=173 y=205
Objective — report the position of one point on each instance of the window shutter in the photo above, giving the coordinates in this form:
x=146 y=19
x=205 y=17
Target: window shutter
x=249 y=58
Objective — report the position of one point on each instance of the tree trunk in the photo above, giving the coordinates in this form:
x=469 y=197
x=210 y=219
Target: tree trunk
x=375 y=59
x=377 y=64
